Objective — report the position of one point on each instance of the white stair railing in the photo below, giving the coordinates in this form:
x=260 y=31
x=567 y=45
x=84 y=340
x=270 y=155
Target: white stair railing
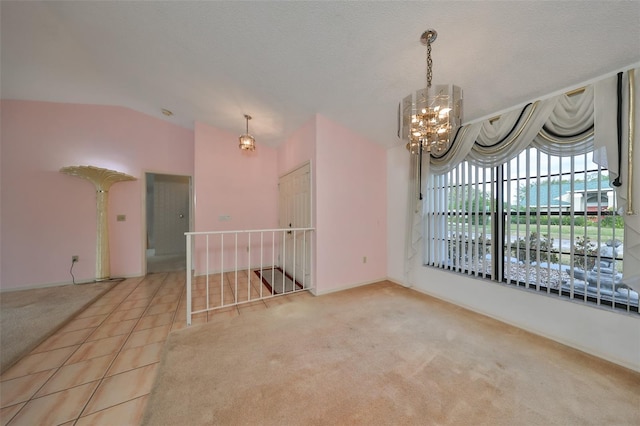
x=228 y=268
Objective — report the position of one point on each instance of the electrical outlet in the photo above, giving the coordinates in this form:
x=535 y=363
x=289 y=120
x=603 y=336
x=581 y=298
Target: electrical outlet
x=75 y=258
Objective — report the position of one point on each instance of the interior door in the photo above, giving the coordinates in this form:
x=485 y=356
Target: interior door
x=295 y=212
x=171 y=213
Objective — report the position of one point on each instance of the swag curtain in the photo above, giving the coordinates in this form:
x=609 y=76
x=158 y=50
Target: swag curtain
x=559 y=124
x=567 y=124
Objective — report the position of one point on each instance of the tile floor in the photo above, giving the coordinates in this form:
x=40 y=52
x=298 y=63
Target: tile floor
x=100 y=367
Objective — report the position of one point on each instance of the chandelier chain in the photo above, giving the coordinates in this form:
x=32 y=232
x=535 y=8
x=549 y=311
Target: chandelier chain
x=429 y=66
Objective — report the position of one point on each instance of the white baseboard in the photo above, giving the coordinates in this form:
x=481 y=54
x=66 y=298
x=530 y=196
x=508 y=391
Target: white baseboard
x=347 y=287
x=62 y=283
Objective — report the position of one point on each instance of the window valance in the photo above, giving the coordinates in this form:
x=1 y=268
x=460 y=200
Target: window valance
x=599 y=118
x=562 y=123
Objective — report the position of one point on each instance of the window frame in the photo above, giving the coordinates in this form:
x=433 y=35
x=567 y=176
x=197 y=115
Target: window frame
x=502 y=216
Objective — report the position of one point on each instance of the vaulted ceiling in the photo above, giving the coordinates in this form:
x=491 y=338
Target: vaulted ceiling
x=283 y=62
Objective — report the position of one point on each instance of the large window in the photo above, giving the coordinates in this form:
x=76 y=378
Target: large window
x=540 y=222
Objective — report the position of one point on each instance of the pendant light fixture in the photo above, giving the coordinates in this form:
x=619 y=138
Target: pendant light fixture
x=247 y=142
x=431 y=119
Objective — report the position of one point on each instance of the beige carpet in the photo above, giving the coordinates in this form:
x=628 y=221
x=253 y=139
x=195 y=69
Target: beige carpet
x=27 y=317
x=381 y=355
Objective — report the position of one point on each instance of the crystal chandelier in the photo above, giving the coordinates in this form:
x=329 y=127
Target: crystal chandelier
x=431 y=119
x=247 y=142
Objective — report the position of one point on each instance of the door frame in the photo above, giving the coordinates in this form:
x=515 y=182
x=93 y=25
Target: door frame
x=144 y=211
x=312 y=271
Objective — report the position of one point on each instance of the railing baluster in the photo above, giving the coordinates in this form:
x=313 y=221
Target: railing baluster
x=236 y=270
x=247 y=266
x=284 y=257
x=261 y=258
x=221 y=269
x=188 y=279
x=207 y=268
x=293 y=288
x=304 y=260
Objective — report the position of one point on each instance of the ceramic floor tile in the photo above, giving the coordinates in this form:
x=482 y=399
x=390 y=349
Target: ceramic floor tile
x=136 y=357
x=111 y=329
x=169 y=298
x=62 y=340
x=21 y=389
x=94 y=310
x=121 y=388
x=56 y=408
x=146 y=294
x=80 y=323
x=39 y=362
x=154 y=321
x=132 y=304
x=168 y=290
x=200 y=303
x=127 y=413
x=97 y=348
x=7 y=413
x=130 y=361
x=214 y=288
x=229 y=298
x=116 y=296
x=125 y=315
x=145 y=337
x=176 y=295
x=112 y=299
x=77 y=374
x=161 y=308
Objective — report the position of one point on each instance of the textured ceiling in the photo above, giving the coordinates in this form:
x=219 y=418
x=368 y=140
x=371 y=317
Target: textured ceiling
x=282 y=62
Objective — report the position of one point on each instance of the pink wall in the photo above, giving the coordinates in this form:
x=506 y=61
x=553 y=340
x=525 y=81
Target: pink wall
x=298 y=149
x=230 y=182
x=351 y=208
x=47 y=217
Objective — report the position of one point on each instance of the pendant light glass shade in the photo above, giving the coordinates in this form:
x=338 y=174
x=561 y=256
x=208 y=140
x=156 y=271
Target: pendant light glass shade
x=431 y=118
x=247 y=142
x=435 y=116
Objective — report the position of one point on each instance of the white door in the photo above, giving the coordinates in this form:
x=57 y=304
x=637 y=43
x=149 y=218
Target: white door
x=295 y=212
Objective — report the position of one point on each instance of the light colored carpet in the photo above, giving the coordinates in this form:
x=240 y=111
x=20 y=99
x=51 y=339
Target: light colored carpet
x=381 y=355
x=27 y=317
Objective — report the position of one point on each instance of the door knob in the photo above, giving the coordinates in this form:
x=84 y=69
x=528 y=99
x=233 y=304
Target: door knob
x=181 y=216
